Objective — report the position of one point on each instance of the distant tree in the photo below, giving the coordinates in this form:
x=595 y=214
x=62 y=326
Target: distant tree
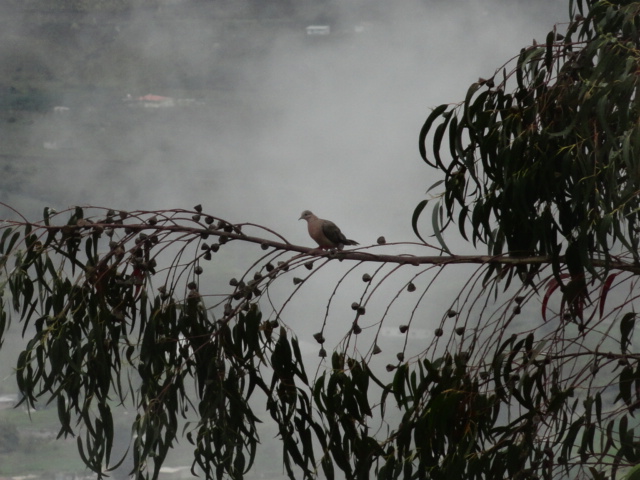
x=532 y=372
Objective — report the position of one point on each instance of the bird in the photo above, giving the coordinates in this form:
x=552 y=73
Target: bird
x=324 y=232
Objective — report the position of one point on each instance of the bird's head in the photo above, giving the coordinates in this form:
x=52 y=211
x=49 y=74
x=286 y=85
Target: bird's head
x=306 y=215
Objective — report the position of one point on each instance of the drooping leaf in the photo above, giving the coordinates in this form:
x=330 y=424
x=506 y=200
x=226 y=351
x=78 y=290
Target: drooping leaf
x=626 y=326
x=416 y=215
x=604 y=291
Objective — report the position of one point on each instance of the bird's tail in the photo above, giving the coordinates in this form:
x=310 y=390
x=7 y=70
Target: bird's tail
x=351 y=242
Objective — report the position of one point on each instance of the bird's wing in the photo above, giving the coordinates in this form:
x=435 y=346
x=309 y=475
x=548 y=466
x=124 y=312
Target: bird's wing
x=333 y=233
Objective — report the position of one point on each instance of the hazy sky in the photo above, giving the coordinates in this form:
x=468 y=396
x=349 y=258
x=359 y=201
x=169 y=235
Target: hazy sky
x=329 y=125
x=326 y=124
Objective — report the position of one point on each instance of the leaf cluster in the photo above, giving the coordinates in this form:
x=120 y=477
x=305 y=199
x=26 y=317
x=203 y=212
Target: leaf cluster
x=478 y=401
x=100 y=341
x=543 y=159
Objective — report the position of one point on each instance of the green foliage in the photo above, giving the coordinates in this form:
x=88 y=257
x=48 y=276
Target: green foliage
x=541 y=161
x=493 y=402
x=550 y=165
x=95 y=338
x=99 y=336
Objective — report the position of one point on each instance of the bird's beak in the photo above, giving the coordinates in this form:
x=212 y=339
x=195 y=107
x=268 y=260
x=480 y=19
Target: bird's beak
x=300 y=218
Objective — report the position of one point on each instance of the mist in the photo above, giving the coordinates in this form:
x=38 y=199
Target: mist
x=263 y=120
x=328 y=123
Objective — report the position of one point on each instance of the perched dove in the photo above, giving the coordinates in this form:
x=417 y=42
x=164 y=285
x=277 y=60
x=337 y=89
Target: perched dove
x=325 y=233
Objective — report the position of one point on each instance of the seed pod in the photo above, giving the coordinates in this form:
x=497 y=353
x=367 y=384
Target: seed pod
x=390 y=368
x=381 y=241
x=208 y=220
x=459 y=330
x=322 y=353
x=198 y=208
x=297 y=280
x=355 y=306
x=451 y=313
x=366 y=277
x=400 y=356
x=319 y=337
x=233 y=282
x=361 y=310
x=308 y=265
x=438 y=332
x=376 y=350
x=411 y=287
x=283 y=265
x=196 y=217
x=193 y=297
x=403 y=328
x=355 y=328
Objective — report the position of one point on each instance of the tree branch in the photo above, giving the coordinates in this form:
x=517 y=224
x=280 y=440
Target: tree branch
x=355 y=254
